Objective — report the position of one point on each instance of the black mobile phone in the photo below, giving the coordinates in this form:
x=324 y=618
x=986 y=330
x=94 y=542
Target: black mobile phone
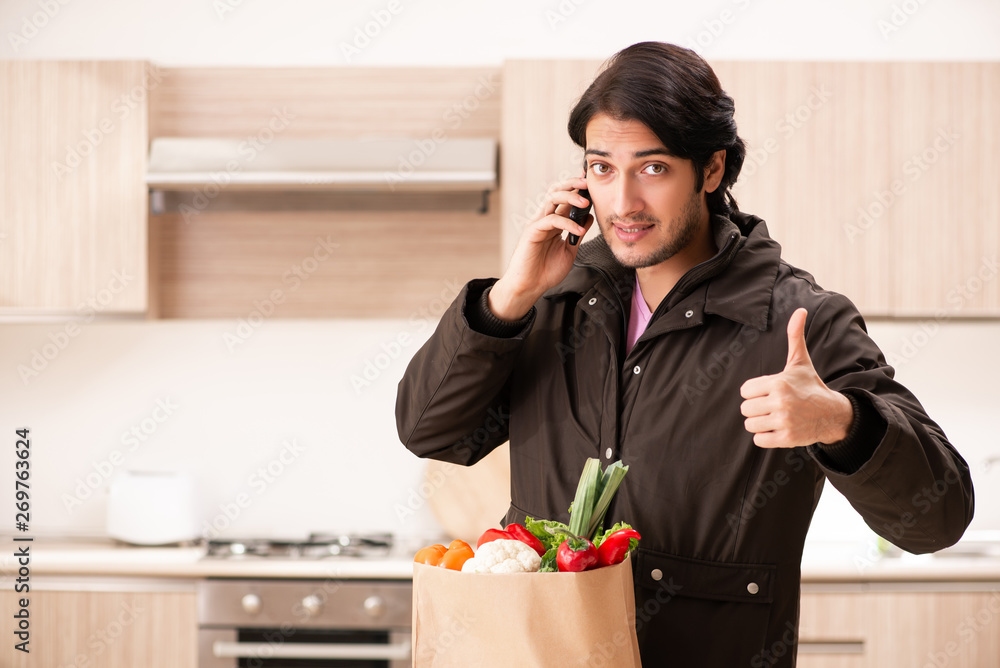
x=578 y=214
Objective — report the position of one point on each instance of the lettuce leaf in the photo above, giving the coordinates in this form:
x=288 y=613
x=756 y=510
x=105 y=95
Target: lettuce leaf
x=539 y=529
x=549 y=561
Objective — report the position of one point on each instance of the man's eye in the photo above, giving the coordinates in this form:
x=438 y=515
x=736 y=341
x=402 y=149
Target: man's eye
x=598 y=168
x=656 y=168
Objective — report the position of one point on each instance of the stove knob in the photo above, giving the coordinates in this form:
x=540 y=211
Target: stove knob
x=312 y=605
x=375 y=606
x=251 y=604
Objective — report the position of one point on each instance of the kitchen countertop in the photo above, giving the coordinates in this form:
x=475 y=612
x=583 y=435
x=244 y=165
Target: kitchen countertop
x=111 y=558
x=911 y=568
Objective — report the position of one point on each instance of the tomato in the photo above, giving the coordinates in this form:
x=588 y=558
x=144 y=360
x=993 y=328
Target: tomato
x=494 y=534
x=430 y=555
x=458 y=553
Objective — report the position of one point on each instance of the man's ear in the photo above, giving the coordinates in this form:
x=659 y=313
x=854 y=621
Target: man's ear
x=715 y=170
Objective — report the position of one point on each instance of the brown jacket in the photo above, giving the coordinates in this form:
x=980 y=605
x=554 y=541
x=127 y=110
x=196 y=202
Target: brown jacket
x=722 y=521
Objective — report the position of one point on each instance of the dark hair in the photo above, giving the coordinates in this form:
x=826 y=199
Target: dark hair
x=674 y=92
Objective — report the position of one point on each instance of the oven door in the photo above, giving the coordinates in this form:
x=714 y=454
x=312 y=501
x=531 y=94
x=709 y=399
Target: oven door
x=285 y=647
x=290 y=623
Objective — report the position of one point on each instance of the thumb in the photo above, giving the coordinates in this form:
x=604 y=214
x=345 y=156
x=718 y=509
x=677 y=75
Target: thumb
x=798 y=354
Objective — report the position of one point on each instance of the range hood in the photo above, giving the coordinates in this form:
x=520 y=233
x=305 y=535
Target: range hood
x=236 y=174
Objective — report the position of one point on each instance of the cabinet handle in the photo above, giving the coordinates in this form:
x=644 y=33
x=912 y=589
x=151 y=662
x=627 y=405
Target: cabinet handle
x=831 y=646
x=251 y=650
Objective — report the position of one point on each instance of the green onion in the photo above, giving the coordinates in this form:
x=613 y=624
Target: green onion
x=610 y=482
x=593 y=497
x=586 y=496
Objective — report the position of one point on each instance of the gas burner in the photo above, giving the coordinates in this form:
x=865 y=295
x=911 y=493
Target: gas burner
x=316 y=546
x=350 y=544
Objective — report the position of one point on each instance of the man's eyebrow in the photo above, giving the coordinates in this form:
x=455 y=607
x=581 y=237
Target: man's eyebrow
x=638 y=154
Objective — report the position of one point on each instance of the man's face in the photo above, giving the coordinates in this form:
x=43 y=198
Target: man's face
x=645 y=200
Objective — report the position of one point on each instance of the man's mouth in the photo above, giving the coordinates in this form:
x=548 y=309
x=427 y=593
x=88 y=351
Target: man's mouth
x=630 y=232
x=634 y=225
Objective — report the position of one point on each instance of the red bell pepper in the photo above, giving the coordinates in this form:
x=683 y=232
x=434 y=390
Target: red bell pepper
x=493 y=534
x=575 y=555
x=615 y=547
x=526 y=537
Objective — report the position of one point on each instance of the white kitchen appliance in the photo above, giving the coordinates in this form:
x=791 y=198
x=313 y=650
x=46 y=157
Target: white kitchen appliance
x=153 y=507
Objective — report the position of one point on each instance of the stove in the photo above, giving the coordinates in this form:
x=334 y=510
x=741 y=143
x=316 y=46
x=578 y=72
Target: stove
x=316 y=546
x=315 y=623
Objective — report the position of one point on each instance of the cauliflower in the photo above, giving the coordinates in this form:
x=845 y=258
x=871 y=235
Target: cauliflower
x=503 y=556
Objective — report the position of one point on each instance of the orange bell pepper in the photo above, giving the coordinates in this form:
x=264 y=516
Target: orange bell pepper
x=458 y=553
x=430 y=555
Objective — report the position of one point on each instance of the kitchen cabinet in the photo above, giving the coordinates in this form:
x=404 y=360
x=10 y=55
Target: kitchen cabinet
x=906 y=625
x=833 y=631
x=72 y=196
x=877 y=178
x=82 y=626
x=393 y=257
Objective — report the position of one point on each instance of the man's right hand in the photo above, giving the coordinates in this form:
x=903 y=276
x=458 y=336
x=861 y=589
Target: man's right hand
x=542 y=258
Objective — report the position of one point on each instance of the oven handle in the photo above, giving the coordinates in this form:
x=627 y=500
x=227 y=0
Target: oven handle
x=252 y=650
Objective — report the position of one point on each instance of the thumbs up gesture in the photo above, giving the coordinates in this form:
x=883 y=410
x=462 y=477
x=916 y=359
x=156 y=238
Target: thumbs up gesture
x=795 y=407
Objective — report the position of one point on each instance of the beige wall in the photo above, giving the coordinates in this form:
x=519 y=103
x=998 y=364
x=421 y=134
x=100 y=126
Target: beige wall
x=330 y=385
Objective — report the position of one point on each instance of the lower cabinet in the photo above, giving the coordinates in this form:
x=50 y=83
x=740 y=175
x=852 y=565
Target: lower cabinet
x=91 y=624
x=104 y=629
x=896 y=627
x=833 y=630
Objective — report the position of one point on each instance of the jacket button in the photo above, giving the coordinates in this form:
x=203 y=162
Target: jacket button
x=636 y=369
x=593 y=300
x=608 y=453
x=656 y=574
x=753 y=588
x=688 y=313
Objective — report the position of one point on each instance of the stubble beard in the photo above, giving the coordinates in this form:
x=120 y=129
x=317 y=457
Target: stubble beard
x=684 y=227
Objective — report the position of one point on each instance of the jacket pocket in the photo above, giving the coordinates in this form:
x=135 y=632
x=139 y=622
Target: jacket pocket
x=692 y=612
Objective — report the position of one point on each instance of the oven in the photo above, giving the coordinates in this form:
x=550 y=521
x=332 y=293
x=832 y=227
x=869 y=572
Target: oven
x=302 y=623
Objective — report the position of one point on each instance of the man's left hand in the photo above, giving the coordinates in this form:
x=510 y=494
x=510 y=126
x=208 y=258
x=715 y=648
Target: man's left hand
x=795 y=407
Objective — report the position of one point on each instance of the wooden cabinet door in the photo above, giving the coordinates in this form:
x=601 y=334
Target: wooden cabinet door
x=958 y=630
x=72 y=189
x=944 y=143
x=877 y=178
x=833 y=630
x=88 y=629
x=900 y=628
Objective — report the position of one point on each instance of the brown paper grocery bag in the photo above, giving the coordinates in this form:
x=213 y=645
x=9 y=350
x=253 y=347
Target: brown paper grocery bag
x=550 y=620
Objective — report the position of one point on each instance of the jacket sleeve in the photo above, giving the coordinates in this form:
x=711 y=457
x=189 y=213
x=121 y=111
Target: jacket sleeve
x=453 y=401
x=914 y=490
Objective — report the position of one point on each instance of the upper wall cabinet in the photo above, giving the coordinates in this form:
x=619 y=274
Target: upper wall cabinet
x=272 y=234
x=878 y=178
x=73 y=145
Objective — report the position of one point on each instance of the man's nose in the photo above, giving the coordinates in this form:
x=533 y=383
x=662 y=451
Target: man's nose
x=626 y=198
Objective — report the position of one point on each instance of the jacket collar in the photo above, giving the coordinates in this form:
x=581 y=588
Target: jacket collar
x=742 y=293
x=740 y=277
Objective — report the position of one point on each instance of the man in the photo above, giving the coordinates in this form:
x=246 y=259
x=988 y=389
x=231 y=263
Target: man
x=679 y=342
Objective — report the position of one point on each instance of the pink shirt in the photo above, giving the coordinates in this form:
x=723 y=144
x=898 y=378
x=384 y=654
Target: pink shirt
x=638 y=317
